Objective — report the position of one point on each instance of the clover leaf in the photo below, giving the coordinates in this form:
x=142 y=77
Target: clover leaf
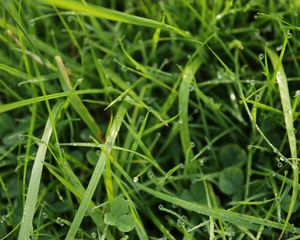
x=231 y=180
x=232 y=155
x=119 y=215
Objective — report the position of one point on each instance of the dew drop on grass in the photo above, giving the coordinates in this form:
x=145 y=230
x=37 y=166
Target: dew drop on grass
x=174 y=205
x=45 y=215
x=261 y=56
x=59 y=221
x=180 y=121
x=201 y=163
x=150 y=174
x=94 y=235
x=279 y=164
x=289 y=34
x=135 y=179
x=3 y=218
x=160 y=207
x=279 y=48
x=149 y=109
x=286 y=172
x=21 y=137
x=191 y=88
x=124 y=69
x=192 y=144
x=282 y=159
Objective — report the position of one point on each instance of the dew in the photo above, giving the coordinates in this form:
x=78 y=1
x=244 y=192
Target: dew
x=289 y=34
x=180 y=121
x=59 y=221
x=62 y=150
x=3 y=218
x=21 y=137
x=181 y=166
x=149 y=109
x=278 y=48
x=279 y=164
x=261 y=56
x=135 y=179
x=191 y=88
x=282 y=159
x=189 y=56
x=201 y=163
x=160 y=207
x=192 y=144
x=180 y=223
x=79 y=80
x=286 y=172
x=124 y=68
x=158 y=134
x=45 y=215
x=174 y=205
x=94 y=235
x=273 y=174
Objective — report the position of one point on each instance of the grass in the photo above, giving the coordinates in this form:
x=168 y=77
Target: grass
x=149 y=119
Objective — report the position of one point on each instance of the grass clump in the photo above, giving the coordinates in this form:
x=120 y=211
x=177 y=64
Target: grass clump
x=149 y=120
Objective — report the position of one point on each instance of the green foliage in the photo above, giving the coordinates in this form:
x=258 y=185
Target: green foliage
x=192 y=106
x=119 y=216
x=231 y=180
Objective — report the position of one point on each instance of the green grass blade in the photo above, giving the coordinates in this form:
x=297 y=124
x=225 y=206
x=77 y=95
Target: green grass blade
x=35 y=179
x=112 y=15
x=97 y=173
x=242 y=220
x=289 y=124
x=76 y=102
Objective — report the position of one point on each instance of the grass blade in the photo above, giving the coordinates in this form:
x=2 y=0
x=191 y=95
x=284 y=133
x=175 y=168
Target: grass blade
x=113 y=15
x=97 y=173
x=35 y=179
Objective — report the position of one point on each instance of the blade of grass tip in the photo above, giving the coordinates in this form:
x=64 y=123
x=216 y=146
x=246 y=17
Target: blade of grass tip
x=238 y=219
x=98 y=171
x=26 y=102
x=35 y=178
x=76 y=101
x=187 y=76
x=113 y=15
x=288 y=118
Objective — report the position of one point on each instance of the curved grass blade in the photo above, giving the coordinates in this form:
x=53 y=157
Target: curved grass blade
x=289 y=124
x=76 y=101
x=241 y=220
x=97 y=173
x=113 y=15
x=35 y=178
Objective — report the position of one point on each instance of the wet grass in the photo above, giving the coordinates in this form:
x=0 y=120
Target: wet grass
x=149 y=120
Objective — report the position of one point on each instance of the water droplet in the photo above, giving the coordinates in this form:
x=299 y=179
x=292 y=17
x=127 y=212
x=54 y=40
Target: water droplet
x=289 y=34
x=286 y=172
x=278 y=48
x=3 y=218
x=181 y=165
x=261 y=56
x=282 y=159
x=180 y=121
x=59 y=221
x=279 y=164
x=201 y=162
x=160 y=207
x=192 y=144
x=94 y=235
x=124 y=68
x=135 y=179
x=45 y=215
x=191 y=88
x=174 y=206
x=62 y=150
x=180 y=223
x=150 y=174
x=21 y=137
x=188 y=56
x=149 y=109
